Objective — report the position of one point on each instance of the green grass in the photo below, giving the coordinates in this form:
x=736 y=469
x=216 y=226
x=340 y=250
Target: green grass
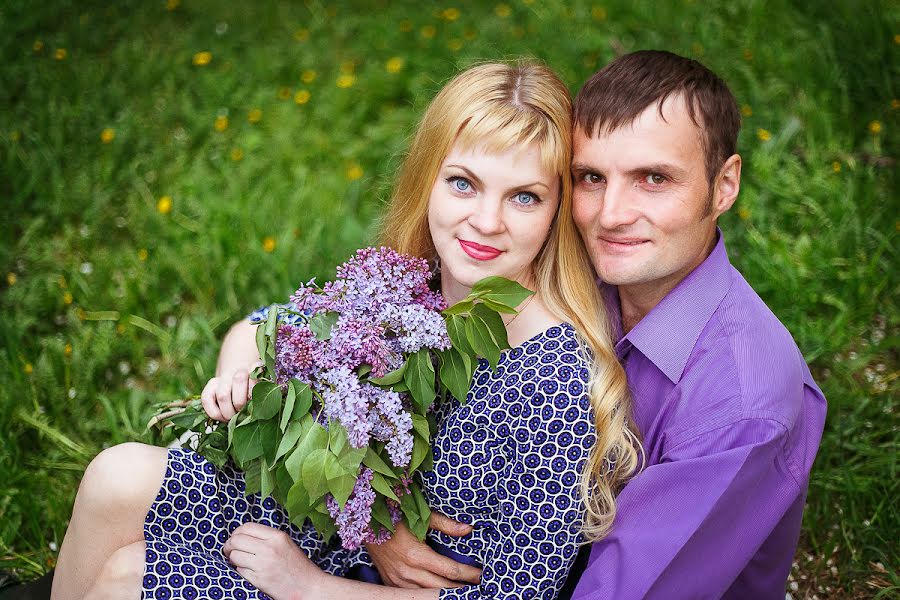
x=109 y=305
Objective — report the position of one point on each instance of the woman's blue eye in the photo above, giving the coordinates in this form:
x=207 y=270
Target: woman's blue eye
x=525 y=198
x=460 y=185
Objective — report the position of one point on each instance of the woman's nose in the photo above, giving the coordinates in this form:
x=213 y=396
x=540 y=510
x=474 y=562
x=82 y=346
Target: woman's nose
x=487 y=216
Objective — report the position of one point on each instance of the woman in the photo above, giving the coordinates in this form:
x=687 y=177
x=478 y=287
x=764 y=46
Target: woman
x=485 y=189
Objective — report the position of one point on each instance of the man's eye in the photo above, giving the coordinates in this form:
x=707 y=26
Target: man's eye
x=655 y=179
x=460 y=184
x=592 y=178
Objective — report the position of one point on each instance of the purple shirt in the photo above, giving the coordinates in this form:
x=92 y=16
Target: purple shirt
x=730 y=420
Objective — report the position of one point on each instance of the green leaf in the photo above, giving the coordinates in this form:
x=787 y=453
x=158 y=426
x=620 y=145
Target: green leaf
x=340 y=481
x=266 y=400
x=247 y=444
x=363 y=370
x=322 y=323
x=456 y=329
x=298 y=503
x=269 y=435
x=351 y=458
x=314 y=473
x=232 y=423
x=499 y=307
x=419 y=377
x=283 y=483
x=251 y=478
x=421 y=449
x=214 y=455
x=272 y=321
x=494 y=324
x=456 y=373
x=323 y=524
x=375 y=462
x=382 y=515
x=420 y=426
x=337 y=437
x=314 y=437
x=304 y=399
x=390 y=378
x=411 y=512
x=289 y=400
x=482 y=341
x=424 y=510
x=502 y=290
x=266 y=480
x=291 y=435
x=461 y=307
x=261 y=341
x=381 y=485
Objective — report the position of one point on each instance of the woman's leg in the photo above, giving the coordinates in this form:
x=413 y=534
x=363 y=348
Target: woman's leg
x=117 y=490
x=121 y=576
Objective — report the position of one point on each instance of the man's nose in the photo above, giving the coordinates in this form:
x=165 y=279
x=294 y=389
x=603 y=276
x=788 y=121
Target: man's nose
x=617 y=207
x=487 y=216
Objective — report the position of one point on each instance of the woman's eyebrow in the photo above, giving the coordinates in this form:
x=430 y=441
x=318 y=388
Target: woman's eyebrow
x=480 y=183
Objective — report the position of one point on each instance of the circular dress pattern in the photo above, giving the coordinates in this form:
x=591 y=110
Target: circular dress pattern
x=508 y=462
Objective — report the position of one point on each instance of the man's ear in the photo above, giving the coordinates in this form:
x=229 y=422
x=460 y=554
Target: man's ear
x=728 y=184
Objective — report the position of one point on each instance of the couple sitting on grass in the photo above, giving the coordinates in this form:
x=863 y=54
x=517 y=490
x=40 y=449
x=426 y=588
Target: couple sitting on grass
x=649 y=435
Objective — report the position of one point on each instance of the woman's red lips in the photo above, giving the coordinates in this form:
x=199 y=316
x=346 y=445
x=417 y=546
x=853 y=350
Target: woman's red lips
x=479 y=252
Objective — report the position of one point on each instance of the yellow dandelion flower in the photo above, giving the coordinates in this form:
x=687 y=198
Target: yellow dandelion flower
x=63 y=284
x=743 y=213
x=15 y=136
x=895 y=104
x=201 y=59
x=81 y=314
x=301 y=35
x=60 y=54
x=836 y=167
x=107 y=135
x=599 y=13
x=393 y=65
x=308 y=76
x=875 y=127
x=28 y=369
x=268 y=244
x=221 y=123
x=254 y=116
x=164 y=206
x=172 y=4
x=37 y=46
x=897 y=38
x=747 y=110
x=11 y=278
x=502 y=10
x=237 y=154
x=748 y=54
x=470 y=34
x=764 y=135
x=354 y=172
x=68 y=350
x=302 y=96
x=284 y=93
x=455 y=45
x=67 y=298
x=345 y=81
x=142 y=254
x=406 y=25
x=428 y=32
x=120 y=328
x=450 y=14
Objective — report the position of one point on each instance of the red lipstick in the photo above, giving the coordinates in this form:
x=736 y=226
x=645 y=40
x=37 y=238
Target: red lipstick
x=479 y=252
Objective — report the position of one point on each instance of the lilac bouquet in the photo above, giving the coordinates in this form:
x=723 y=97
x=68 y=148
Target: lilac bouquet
x=340 y=417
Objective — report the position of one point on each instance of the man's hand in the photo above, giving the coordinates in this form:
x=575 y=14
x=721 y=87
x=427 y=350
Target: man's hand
x=270 y=560
x=403 y=561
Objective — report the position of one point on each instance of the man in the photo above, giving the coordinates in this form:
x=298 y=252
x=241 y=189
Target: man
x=729 y=415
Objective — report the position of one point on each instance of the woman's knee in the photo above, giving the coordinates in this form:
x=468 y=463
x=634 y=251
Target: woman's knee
x=126 y=475
x=122 y=574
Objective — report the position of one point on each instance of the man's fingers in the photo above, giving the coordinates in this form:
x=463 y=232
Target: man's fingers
x=455 y=571
x=429 y=580
x=239 y=387
x=447 y=525
x=208 y=400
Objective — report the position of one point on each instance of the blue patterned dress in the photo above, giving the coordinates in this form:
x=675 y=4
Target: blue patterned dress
x=508 y=462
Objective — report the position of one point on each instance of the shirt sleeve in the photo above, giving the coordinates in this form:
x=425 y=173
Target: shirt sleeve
x=261 y=314
x=540 y=508
x=690 y=524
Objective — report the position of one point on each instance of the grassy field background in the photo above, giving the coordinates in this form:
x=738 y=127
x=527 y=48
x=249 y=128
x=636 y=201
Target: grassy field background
x=165 y=167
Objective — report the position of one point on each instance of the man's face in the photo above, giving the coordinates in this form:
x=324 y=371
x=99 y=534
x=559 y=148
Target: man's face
x=642 y=200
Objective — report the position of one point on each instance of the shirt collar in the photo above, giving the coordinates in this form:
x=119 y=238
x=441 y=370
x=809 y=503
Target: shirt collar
x=669 y=332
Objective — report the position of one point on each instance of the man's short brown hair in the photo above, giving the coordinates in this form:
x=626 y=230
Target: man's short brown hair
x=618 y=93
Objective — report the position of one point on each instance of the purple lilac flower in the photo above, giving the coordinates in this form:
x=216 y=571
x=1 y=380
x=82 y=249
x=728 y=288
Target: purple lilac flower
x=391 y=423
x=355 y=341
x=296 y=353
x=353 y=520
x=416 y=327
x=345 y=400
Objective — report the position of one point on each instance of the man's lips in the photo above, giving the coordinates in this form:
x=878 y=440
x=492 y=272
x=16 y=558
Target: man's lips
x=478 y=251
x=622 y=245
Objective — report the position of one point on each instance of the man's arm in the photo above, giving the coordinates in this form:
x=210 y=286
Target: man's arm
x=687 y=526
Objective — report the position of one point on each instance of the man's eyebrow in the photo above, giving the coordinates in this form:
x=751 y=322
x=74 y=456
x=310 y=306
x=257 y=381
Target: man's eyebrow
x=671 y=170
x=579 y=167
x=475 y=177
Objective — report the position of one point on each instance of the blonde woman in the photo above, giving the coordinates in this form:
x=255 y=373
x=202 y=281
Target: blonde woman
x=530 y=462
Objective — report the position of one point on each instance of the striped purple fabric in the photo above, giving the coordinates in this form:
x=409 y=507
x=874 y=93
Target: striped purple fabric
x=731 y=420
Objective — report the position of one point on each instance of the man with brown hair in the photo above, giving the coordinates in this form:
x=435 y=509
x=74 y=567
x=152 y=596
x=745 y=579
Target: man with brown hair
x=729 y=415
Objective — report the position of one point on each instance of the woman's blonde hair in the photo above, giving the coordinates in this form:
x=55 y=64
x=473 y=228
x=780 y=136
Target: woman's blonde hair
x=495 y=107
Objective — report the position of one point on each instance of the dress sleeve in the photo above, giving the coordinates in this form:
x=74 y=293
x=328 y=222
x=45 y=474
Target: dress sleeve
x=540 y=508
x=692 y=522
x=261 y=314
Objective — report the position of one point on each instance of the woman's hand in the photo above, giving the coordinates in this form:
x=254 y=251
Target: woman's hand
x=224 y=396
x=403 y=561
x=270 y=560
